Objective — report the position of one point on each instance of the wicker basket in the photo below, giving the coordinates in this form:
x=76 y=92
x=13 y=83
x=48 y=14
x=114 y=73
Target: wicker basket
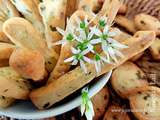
x=151 y=7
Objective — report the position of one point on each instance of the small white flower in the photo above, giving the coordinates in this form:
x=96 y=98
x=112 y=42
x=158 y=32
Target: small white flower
x=84 y=41
x=84 y=35
x=109 y=46
x=116 y=44
x=86 y=105
x=68 y=34
x=105 y=33
x=99 y=61
x=79 y=56
x=82 y=23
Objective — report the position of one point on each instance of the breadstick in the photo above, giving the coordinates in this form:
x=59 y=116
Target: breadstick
x=13 y=85
x=24 y=35
x=30 y=64
x=147 y=101
x=30 y=11
x=7 y=10
x=89 y=5
x=155 y=49
x=53 y=13
x=126 y=78
x=147 y=22
x=126 y=23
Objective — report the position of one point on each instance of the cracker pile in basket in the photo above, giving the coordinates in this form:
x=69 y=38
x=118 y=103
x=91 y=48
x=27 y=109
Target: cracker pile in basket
x=32 y=68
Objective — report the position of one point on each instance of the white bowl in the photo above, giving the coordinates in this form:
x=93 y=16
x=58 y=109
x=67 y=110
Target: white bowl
x=26 y=110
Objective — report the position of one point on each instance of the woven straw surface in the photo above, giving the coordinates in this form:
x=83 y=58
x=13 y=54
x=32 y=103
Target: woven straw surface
x=151 y=7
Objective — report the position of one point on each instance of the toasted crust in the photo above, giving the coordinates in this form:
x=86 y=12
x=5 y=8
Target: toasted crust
x=53 y=17
x=126 y=78
x=126 y=23
x=4 y=63
x=146 y=102
x=6 y=102
x=6 y=50
x=136 y=57
x=29 y=64
x=12 y=84
x=100 y=102
x=115 y=112
x=24 y=35
x=147 y=22
x=70 y=82
x=155 y=49
x=29 y=9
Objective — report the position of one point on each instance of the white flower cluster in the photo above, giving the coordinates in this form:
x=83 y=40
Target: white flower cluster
x=87 y=37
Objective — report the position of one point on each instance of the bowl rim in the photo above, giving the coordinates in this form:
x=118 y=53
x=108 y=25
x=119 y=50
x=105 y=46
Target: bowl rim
x=54 y=111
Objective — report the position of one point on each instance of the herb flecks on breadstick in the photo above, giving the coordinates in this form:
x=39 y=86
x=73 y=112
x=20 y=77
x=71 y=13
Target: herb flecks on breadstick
x=86 y=38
